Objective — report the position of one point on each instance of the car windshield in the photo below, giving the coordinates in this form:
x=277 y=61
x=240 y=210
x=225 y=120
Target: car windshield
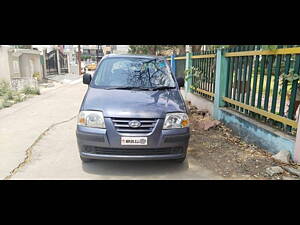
x=133 y=73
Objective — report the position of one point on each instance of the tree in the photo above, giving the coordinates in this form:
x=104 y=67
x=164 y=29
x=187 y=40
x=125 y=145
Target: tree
x=156 y=49
x=180 y=49
x=263 y=47
x=197 y=48
x=143 y=49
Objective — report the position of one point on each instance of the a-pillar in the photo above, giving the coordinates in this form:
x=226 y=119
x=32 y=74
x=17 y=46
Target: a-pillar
x=173 y=64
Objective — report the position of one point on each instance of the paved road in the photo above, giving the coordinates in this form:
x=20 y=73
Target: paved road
x=55 y=155
x=23 y=123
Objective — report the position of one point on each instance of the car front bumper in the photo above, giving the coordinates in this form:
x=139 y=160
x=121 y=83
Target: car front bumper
x=105 y=144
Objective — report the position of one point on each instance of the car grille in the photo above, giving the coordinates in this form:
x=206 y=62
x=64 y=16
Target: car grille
x=122 y=126
x=137 y=152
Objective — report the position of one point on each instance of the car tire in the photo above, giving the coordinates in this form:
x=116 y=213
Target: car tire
x=85 y=160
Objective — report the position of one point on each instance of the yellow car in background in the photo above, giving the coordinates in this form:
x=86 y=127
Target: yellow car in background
x=91 y=66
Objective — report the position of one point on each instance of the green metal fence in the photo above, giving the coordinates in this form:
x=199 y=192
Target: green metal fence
x=262 y=84
x=256 y=78
x=204 y=69
x=180 y=61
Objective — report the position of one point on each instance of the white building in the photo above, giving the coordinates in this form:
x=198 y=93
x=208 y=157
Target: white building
x=49 y=48
x=120 y=49
x=115 y=49
x=18 y=66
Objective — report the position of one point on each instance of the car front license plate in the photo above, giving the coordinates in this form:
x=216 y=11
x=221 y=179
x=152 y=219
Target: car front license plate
x=133 y=140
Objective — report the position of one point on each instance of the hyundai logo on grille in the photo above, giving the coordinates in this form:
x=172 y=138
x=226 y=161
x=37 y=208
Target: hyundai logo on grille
x=134 y=123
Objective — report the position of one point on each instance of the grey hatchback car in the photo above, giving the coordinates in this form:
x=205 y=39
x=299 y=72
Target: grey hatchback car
x=133 y=110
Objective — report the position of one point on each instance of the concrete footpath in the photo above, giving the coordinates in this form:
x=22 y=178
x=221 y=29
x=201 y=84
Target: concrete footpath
x=24 y=123
x=56 y=157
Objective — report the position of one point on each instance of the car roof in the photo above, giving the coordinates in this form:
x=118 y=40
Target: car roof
x=133 y=56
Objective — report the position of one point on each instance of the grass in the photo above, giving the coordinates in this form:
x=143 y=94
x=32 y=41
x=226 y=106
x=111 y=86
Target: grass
x=31 y=91
x=8 y=96
x=4 y=88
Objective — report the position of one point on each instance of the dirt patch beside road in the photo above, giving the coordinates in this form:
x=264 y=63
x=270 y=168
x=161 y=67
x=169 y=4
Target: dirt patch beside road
x=219 y=150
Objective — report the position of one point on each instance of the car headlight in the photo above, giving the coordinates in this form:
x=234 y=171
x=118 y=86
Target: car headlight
x=91 y=119
x=176 y=120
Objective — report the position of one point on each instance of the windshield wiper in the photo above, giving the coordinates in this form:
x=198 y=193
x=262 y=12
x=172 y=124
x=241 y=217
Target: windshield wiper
x=126 y=88
x=162 y=88
x=140 y=88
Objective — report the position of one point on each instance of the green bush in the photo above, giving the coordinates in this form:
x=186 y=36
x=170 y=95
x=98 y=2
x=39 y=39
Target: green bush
x=31 y=91
x=7 y=104
x=8 y=96
x=37 y=75
x=18 y=97
x=1 y=103
x=4 y=88
x=6 y=92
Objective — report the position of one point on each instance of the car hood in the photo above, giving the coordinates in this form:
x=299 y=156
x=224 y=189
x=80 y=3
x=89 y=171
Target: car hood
x=133 y=104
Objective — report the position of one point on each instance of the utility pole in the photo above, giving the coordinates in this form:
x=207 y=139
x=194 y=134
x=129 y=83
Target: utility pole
x=79 y=59
x=98 y=54
x=188 y=48
x=58 y=61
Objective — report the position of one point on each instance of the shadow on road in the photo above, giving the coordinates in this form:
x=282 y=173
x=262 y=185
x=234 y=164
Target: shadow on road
x=159 y=168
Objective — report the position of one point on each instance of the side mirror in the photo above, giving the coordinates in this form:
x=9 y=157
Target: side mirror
x=180 y=81
x=87 y=78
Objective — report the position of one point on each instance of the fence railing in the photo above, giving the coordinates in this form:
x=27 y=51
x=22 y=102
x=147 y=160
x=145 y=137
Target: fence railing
x=261 y=84
x=256 y=86
x=179 y=67
x=203 y=79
